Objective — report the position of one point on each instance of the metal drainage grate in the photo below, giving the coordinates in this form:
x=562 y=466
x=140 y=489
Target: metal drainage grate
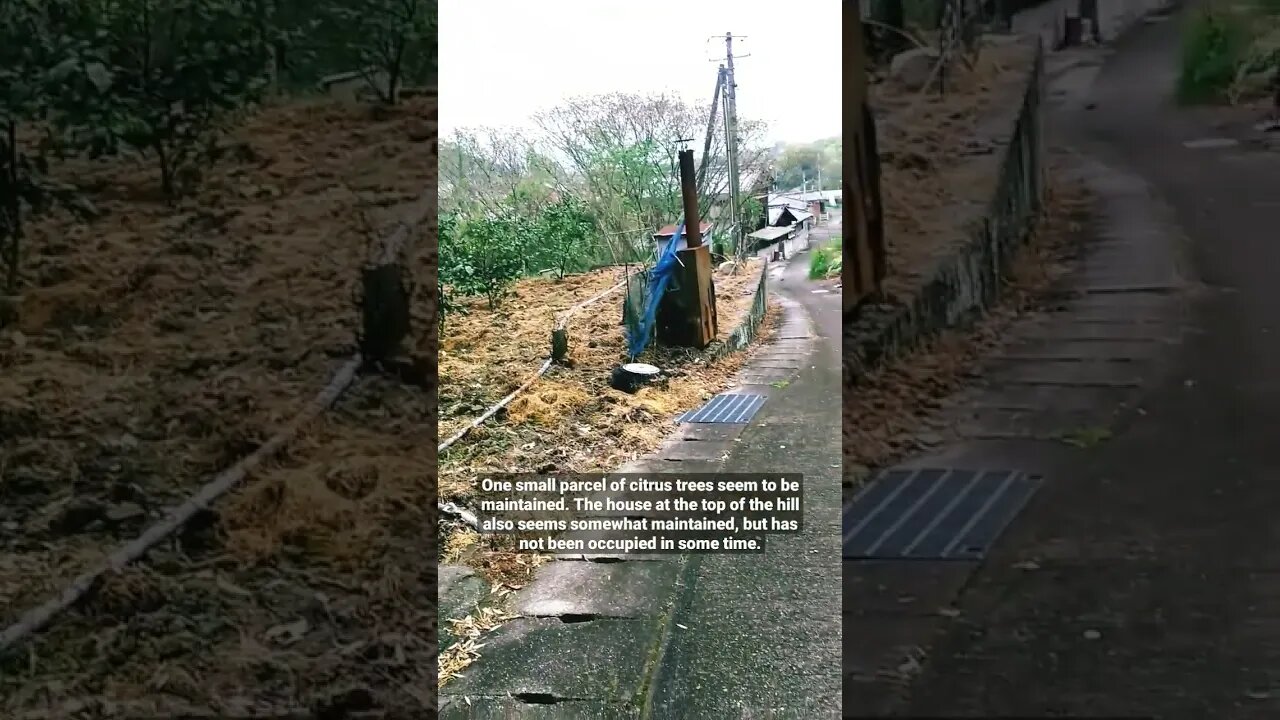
x=725 y=408
x=931 y=514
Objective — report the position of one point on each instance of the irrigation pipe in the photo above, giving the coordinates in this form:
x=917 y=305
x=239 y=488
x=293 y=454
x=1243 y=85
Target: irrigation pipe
x=560 y=325
x=37 y=618
x=490 y=412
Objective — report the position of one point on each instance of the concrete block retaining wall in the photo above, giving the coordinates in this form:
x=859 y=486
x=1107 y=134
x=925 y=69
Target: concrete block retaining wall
x=968 y=282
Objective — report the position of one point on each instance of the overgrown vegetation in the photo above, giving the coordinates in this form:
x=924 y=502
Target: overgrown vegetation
x=1231 y=52
x=827 y=261
x=483 y=254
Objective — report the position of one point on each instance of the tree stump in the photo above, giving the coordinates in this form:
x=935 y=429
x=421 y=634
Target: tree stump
x=559 y=344
x=385 y=311
x=385 y=296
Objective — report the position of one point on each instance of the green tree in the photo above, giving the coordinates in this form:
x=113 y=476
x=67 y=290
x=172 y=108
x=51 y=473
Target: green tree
x=802 y=163
x=449 y=262
x=44 y=76
x=176 y=70
x=394 y=38
x=618 y=153
x=563 y=232
x=753 y=215
x=488 y=256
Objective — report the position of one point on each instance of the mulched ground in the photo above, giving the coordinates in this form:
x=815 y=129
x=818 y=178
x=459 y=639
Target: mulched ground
x=570 y=420
x=157 y=346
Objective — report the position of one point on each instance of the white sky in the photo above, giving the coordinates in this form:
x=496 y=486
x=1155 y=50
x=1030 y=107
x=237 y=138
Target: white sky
x=502 y=61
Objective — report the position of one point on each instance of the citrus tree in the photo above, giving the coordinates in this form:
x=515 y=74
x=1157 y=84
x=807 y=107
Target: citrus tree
x=174 y=70
x=487 y=256
x=48 y=79
x=563 y=233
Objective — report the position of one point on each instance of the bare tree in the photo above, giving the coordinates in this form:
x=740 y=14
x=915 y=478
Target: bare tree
x=622 y=149
x=493 y=169
x=617 y=154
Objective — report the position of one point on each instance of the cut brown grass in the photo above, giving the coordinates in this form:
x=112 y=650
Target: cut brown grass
x=158 y=345
x=466 y=649
x=570 y=420
x=599 y=435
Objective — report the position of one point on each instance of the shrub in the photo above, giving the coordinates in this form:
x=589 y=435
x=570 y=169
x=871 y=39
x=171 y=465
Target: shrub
x=1212 y=50
x=487 y=256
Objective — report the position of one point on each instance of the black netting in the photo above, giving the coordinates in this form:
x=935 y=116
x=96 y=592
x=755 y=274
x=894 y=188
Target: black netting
x=634 y=300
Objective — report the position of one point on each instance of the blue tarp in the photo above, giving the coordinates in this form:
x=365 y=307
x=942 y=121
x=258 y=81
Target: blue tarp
x=659 y=278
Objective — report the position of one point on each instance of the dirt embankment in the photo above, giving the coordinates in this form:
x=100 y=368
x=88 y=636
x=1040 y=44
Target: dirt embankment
x=156 y=346
x=940 y=157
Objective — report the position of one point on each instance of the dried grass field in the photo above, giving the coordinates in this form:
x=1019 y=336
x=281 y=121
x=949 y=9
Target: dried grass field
x=157 y=345
x=570 y=419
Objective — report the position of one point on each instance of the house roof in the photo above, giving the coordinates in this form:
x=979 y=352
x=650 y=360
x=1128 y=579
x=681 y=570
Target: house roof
x=799 y=215
x=784 y=200
x=669 y=230
x=771 y=233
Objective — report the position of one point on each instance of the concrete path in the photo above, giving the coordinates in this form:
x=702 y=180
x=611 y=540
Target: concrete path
x=1141 y=581
x=715 y=636
x=758 y=637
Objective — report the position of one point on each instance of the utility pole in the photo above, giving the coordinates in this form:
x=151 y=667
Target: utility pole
x=731 y=144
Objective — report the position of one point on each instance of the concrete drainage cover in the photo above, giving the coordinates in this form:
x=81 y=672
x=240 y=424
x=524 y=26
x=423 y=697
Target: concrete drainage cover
x=725 y=408
x=933 y=514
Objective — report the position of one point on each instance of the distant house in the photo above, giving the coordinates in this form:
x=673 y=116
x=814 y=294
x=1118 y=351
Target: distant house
x=664 y=235
x=815 y=202
x=779 y=243
x=779 y=203
x=789 y=216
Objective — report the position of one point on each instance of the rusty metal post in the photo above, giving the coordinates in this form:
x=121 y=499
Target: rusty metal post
x=689 y=193
x=687 y=313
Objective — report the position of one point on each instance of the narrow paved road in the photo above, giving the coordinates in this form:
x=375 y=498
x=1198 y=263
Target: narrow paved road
x=759 y=636
x=1145 y=579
